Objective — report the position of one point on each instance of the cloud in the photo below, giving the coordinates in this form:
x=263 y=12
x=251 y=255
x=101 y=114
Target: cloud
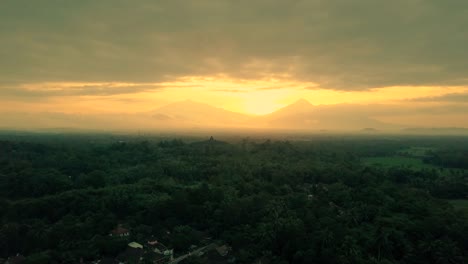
x=341 y=44
x=37 y=91
x=394 y=109
x=252 y=87
x=230 y=90
x=447 y=98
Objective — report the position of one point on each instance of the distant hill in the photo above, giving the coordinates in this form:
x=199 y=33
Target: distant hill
x=303 y=115
x=299 y=107
x=369 y=130
x=288 y=116
x=198 y=114
x=300 y=115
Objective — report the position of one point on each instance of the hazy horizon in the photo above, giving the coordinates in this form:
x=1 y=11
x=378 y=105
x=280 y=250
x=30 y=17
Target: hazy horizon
x=119 y=65
x=189 y=116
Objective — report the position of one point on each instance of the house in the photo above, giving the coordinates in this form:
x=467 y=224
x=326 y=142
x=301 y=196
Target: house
x=135 y=245
x=152 y=243
x=119 y=231
x=162 y=255
x=157 y=247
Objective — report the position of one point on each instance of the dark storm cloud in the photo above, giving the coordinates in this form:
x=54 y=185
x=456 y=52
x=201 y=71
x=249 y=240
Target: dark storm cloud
x=341 y=44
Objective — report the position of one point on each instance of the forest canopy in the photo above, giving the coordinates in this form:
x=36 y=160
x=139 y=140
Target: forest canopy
x=324 y=199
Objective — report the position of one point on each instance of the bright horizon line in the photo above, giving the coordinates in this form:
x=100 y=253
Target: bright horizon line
x=255 y=98
x=241 y=112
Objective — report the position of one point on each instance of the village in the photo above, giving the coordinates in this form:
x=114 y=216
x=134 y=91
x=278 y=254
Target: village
x=153 y=251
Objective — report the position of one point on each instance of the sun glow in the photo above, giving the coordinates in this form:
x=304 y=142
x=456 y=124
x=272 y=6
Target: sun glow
x=253 y=97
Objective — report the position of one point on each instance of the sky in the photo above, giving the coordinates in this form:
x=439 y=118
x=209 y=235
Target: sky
x=248 y=56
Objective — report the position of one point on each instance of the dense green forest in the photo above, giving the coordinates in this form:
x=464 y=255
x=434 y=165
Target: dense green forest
x=301 y=200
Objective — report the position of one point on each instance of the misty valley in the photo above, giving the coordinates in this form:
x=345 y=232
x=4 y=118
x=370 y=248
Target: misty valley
x=113 y=198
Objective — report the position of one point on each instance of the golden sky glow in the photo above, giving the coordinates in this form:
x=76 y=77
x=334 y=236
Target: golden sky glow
x=399 y=61
x=249 y=97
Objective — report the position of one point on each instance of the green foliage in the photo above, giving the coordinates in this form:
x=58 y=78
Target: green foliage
x=274 y=201
x=398 y=161
x=38 y=258
x=184 y=236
